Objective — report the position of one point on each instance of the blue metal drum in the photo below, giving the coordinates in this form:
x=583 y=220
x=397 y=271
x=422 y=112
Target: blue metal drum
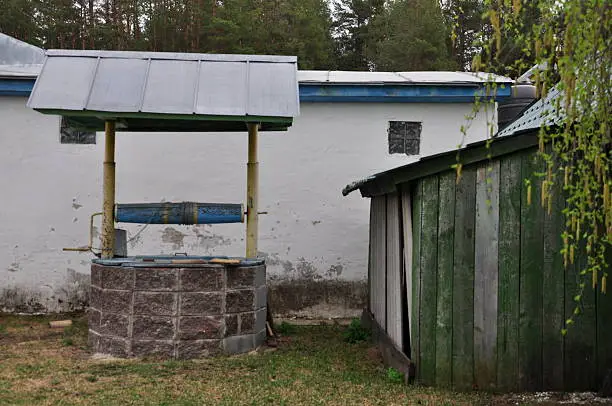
x=179 y=213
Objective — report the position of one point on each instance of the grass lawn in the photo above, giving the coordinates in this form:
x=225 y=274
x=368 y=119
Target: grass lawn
x=312 y=365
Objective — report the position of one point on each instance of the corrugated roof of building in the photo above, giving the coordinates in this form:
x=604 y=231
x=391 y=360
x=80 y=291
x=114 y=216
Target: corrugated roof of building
x=19 y=59
x=177 y=86
x=433 y=77
x=545 y=112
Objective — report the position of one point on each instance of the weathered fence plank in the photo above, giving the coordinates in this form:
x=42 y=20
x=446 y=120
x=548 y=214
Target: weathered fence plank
x=395 y=325
x=463 y=281
x=532 y=252
x=417 y=220
x=429 y=266
x=604 y=329
x=553 y=289
x=378 y=254
x=444 y=307
x=580 y=341
x=486 y=276
x=509 y=265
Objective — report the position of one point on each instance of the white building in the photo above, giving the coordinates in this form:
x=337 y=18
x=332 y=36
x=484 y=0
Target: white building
x=315 y=241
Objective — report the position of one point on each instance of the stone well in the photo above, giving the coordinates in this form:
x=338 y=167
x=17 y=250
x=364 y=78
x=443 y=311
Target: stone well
x=143 y=308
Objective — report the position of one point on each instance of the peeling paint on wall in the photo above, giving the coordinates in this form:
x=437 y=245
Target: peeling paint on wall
x=174 y=237
x=75 y=204
x=207 y=240
x=319 y=236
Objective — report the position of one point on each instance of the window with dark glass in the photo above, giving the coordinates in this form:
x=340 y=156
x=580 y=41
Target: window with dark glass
x=70 y=135
x=404 y=137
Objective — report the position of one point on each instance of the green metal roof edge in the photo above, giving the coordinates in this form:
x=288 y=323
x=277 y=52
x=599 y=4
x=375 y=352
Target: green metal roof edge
x=387 y=181
x=166 y=116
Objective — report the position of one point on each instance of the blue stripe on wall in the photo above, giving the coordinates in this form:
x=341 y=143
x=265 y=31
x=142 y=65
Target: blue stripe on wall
x=323 y=93
x=390 y=93
x=16 y=87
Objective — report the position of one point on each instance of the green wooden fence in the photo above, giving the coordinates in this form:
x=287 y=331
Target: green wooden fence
x=490 y=293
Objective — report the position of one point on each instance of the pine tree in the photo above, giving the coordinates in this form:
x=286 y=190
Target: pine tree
x=411 y=35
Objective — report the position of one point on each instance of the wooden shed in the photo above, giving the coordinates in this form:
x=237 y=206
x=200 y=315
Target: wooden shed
x=466 y=278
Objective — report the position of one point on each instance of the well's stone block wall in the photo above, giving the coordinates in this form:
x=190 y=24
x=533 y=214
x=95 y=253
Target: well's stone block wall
x=178 y=313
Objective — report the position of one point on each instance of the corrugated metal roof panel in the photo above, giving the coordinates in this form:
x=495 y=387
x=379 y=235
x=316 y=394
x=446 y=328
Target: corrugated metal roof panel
x=222 y=88
x=167 y=83
x=16 y=52
x=20 y=71
x=170 y=86
x=118 y=85
x=543 y=112
x=364 y=77
x=19 y=59
x=173 y=56
x=434 y=77
x=64 y=83
x=314 y=76
x=268 y=87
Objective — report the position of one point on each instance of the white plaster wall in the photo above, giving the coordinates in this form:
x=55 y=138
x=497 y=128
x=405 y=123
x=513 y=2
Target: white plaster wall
x=49 y=189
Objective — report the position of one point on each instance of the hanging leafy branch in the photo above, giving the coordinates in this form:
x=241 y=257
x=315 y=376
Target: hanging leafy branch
x=571 y=43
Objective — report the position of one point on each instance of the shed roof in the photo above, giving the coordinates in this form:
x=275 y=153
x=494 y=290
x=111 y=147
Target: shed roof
x=159 y=91
x=387 y=181
x=545 y=111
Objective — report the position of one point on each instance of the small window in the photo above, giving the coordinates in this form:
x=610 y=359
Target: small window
x=70 y=135
x=404 y=137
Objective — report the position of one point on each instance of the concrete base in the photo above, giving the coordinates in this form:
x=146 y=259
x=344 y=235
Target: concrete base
x=177 y=313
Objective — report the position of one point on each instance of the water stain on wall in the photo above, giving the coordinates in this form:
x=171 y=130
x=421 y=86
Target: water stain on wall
x=75 y=293
x=307 y=270
x=17 y=300
x=334 y=271
x=275 y=260
x=317 y=298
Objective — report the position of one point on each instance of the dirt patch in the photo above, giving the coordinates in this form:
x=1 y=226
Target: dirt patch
x=552 y=398
x=25 y=330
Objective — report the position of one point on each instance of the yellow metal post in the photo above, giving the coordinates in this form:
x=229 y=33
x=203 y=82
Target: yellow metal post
x=108 y=192
x=252 y=193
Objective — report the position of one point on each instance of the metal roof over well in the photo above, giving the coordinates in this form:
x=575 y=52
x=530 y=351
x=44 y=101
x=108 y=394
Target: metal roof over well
x=158 y=91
